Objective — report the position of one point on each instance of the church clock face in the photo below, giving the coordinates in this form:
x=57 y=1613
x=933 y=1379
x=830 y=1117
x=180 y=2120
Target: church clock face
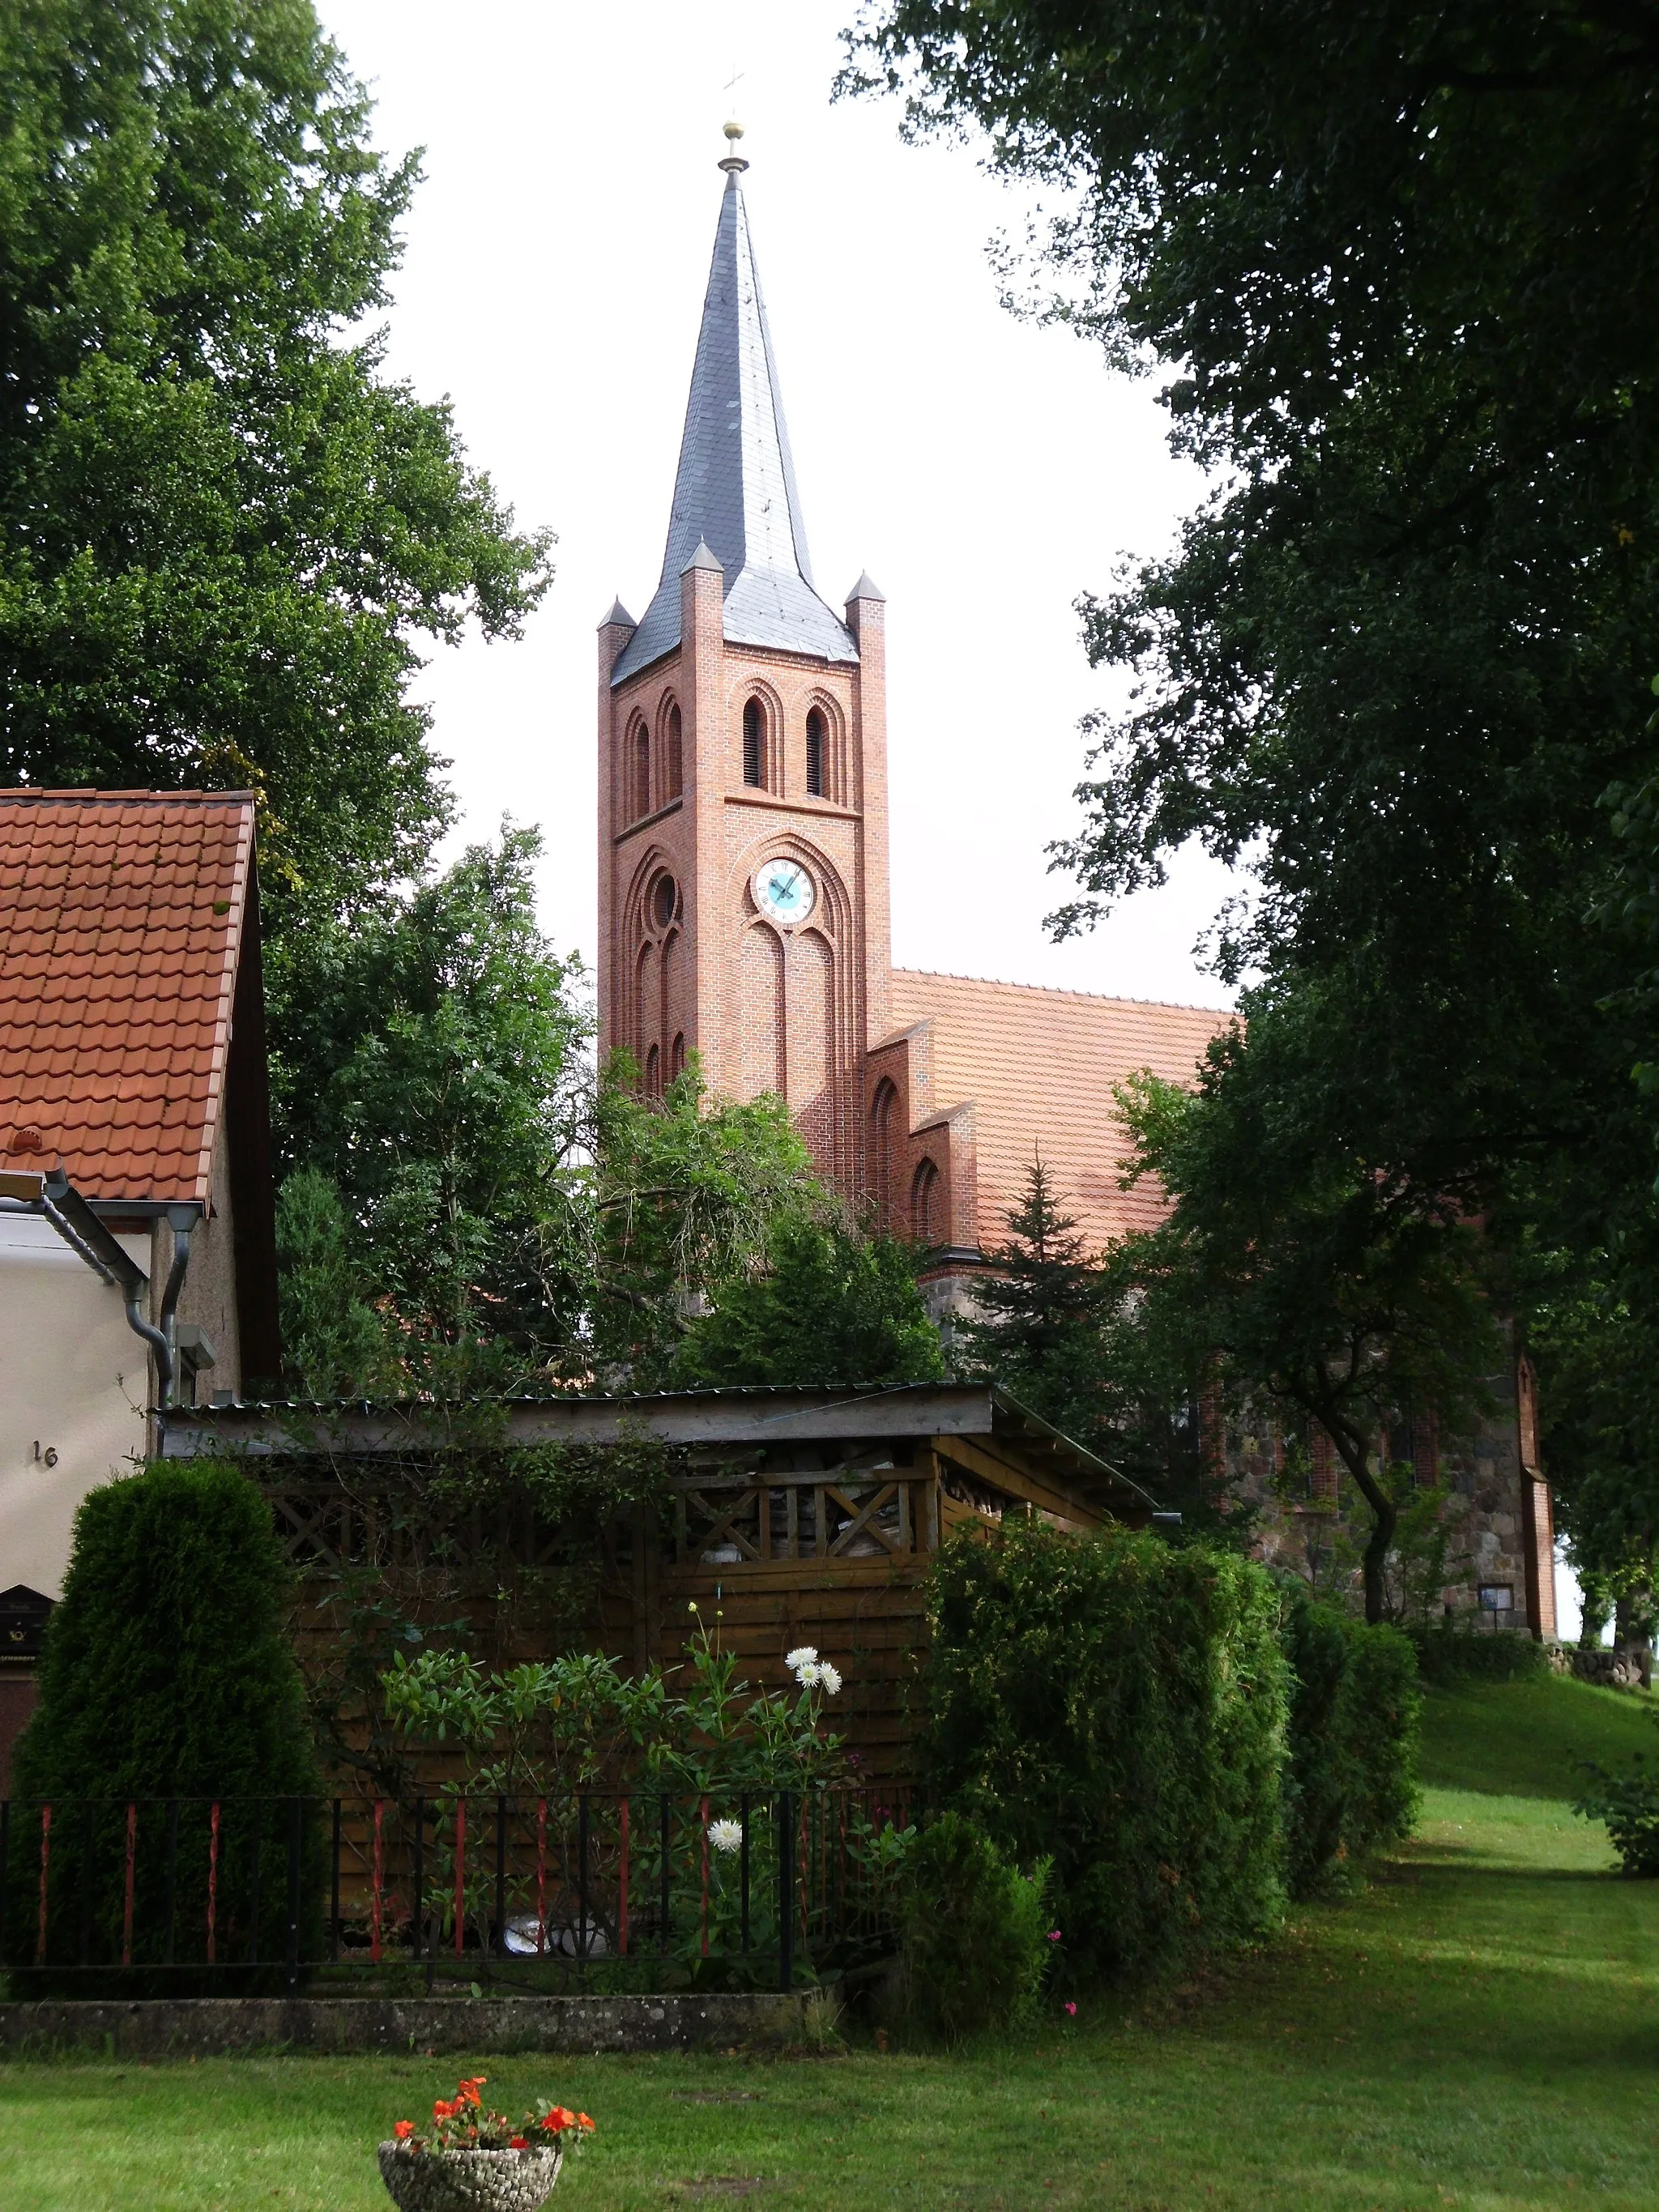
x=784 y=892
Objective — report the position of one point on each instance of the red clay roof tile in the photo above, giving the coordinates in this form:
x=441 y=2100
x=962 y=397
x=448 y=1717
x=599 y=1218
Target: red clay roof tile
x=116 y=980
x=1040 y=1067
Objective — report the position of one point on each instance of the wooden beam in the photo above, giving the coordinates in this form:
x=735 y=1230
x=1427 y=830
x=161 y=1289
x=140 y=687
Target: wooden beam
x=989 y=1468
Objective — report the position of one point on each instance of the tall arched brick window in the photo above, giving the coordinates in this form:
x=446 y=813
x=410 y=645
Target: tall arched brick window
x=754 y=742
x=817 y=748
x=882 y=1112
x=640 y=766
x=673 y=773
x=927 y=1203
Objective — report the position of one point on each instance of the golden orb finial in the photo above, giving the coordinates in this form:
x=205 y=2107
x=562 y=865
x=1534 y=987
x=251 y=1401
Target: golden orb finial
x=734 y=163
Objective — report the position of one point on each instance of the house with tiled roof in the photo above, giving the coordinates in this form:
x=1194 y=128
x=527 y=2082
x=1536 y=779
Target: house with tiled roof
x=137 y=1250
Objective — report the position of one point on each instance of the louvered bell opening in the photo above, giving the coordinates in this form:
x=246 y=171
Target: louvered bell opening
x=815 y=753
x=753 y=734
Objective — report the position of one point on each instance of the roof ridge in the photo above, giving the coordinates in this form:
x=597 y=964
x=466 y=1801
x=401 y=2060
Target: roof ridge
x=1061 y=991
x=86 y=794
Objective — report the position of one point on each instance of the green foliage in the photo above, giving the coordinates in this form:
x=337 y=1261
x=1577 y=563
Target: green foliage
x=1351 y=1782
x=975 y=1934
x=1452 y=1654
x=224 y=529
x=1627 y=1800
x=335 y=1343
x=827 y=1306
x=578 y=1722
x=1340 y=1291
x=1120 y=1706
x=168 y=1673
x=1040 y=1329
x=437 y=1229
x=1395 y=260
x=689 y=1191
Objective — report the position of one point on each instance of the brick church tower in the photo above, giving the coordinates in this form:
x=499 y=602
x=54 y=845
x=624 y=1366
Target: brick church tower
x=743 y=786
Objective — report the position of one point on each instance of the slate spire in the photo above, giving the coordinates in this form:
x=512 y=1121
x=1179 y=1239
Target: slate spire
x=735 y=487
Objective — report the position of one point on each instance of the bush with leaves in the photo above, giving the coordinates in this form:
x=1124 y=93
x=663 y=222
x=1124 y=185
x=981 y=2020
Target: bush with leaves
x=167 y=1673
x=1628 y=1801
x=825 y=1306
x=976 y=1939
x=1453 y=1653
x=1351 y=1779
x=1118 y=1705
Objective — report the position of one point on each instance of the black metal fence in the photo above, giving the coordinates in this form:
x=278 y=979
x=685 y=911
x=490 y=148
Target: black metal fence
x=639 y=1889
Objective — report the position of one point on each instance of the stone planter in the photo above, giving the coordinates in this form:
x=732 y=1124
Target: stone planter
x=459 y=2180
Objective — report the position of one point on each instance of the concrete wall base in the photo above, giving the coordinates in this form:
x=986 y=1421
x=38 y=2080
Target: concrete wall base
x=157 y=2027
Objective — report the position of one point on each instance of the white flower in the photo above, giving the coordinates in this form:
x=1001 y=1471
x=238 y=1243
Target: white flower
x=802 y=1655
x=725 y=1835
x=808 y=1672
x=829 y=1679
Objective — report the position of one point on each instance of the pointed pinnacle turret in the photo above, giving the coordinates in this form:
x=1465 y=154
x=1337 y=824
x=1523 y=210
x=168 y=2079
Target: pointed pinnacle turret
x=734 y=492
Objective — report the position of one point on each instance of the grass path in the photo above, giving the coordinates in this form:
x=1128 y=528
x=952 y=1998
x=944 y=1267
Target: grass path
x=1479 y=2029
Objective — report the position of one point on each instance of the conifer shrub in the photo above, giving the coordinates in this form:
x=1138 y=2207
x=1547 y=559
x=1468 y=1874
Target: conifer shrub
x=975 y=1933
x=167 y=1675
x=1351 y=1779
x=1117 y=1705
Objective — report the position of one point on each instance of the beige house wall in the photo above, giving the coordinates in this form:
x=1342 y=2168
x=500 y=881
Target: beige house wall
x=75 y=1381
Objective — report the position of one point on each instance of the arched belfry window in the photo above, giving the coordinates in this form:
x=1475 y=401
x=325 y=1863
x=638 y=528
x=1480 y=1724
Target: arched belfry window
x=674 y=777
x=818 y=745
x=754 y=742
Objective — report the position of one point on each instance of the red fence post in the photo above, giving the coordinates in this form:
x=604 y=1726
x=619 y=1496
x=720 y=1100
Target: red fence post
x=46 y=1858
x=702 y=1818
x=213 y=1881
x=126 y=1894
x=541 y=1876
x=460 y=1875
x=377 y=1890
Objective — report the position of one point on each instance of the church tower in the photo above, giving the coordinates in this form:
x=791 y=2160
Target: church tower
x=742 y=782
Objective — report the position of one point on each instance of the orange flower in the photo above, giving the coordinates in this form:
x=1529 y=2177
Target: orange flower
x=559 y=2119
x=402 y=2130
x=518 y=2143
x=443 y=2110
x=468 y=2092
x=584 y=2123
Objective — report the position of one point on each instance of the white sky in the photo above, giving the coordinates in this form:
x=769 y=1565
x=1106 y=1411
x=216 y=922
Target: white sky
x=985 y=471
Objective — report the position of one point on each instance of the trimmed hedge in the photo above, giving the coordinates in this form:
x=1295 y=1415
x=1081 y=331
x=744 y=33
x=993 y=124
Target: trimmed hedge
x=1118 y=1705
x=1351 y=1782
x=168 y=1673
x=1465 y=1655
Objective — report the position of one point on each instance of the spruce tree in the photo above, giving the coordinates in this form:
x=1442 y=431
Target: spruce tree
x=1041 y=1328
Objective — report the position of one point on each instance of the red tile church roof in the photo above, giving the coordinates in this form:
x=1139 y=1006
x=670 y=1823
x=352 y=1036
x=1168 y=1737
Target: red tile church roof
x=1039 y=1067
x=120 y=923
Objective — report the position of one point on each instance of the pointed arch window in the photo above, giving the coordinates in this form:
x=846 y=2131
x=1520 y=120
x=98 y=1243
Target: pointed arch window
x=673 y=769
x=754 y=743
x=817 y=748
x=881 y=1152
x=927 y=1205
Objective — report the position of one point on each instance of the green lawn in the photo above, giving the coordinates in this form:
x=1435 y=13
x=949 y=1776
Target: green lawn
x=1479 y=2029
